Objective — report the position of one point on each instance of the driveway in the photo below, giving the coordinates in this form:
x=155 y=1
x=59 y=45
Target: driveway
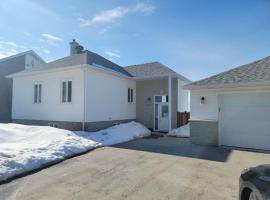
x=150 y=168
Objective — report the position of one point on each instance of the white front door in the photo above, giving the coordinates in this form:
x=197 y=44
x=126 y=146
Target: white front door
x=161 y=117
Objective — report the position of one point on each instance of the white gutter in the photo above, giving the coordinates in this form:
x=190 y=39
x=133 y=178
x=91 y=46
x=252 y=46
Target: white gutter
x=30 y=72
x=226 y=85
x=35 y=71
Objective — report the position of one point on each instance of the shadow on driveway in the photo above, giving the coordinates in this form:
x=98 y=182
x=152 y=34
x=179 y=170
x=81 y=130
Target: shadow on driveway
x=177 y=147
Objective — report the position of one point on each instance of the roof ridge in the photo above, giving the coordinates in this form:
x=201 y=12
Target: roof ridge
x=232 y=69
x=234 y=75
x=143 y=64
x=20 y=54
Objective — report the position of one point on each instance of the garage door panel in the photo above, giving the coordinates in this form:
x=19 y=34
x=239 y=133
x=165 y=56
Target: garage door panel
x=245 y=120
x=255 y=142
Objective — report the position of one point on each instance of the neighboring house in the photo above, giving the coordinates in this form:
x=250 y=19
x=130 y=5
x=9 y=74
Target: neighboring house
x=9 y=65
x=233 y=108
x=85 y=91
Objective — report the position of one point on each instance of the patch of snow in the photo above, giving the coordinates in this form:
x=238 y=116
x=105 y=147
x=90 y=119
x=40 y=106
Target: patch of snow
x=117 y=134
x=183 y=131
x=25 y=148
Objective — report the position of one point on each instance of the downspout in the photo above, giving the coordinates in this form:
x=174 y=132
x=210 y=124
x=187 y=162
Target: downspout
x=170 y=101
x=84 y=96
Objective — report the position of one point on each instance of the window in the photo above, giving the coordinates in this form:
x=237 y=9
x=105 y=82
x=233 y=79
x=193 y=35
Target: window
x=37 y=93
x=66 y=91
x=161 y=98
x=130 y=95
x=164 y=111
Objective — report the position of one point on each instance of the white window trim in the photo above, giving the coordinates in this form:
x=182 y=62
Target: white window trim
x=41 y=94
x=154 y=101
x=61 y=92
x=130 y=97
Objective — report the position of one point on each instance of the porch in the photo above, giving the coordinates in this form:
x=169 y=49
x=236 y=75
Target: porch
x=159 y=103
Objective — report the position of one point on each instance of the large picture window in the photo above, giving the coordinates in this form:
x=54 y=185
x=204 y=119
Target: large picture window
x=37 y=93
x=66 y=91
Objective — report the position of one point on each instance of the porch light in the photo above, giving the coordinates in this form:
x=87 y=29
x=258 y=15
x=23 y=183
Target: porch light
x=149 y=99
x=202 y=100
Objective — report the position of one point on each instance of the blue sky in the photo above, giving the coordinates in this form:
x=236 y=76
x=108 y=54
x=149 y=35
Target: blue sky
x=196 y=38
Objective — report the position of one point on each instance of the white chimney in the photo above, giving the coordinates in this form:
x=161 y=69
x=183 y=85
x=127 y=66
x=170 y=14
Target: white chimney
x=75 y=48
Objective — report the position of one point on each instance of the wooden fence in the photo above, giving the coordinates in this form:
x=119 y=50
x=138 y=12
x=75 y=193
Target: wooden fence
x=182 y=118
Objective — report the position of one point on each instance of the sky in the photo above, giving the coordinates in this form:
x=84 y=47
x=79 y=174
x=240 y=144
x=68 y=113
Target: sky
x=196 y=38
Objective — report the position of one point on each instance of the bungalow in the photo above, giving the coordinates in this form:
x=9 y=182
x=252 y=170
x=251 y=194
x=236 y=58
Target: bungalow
x=85 y=91
x=233 y=108
x=8 y=65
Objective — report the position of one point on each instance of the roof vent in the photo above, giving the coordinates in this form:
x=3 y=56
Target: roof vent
x=75 y=48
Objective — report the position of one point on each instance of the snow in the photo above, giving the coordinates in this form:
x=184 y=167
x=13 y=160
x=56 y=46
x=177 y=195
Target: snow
x=25 y=148
x=117 y=134
x=182 y=131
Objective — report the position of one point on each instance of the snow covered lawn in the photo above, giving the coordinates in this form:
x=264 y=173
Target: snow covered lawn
x=25 y=148
x=182 y=131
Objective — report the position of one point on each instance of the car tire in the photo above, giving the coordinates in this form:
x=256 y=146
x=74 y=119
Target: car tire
x=253 y=196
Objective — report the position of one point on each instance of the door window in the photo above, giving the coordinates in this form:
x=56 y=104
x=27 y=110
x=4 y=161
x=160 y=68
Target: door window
x=164 y=111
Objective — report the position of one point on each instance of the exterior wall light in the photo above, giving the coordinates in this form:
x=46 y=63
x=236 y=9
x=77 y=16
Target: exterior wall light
x=149 y=99
x=202 y=100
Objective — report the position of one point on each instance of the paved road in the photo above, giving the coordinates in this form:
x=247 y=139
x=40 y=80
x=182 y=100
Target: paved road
x=156 y=168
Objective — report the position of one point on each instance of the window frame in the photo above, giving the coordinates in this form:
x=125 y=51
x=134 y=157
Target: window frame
x=37 y=96
x=130 y=95
x=66 y=97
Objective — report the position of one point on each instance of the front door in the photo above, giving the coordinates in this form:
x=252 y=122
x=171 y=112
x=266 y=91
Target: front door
x=161 y=113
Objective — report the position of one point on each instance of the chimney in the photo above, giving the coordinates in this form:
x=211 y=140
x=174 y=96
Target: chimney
x=75 y=48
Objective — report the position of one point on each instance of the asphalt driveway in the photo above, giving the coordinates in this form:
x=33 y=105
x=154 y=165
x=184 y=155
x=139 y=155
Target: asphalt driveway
x=150 y=168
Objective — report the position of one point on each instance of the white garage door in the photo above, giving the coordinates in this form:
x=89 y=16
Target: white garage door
x=245 y=120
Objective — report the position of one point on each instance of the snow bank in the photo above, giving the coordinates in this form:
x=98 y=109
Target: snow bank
x=183 y=131
x=117 y=134
x=25 y=148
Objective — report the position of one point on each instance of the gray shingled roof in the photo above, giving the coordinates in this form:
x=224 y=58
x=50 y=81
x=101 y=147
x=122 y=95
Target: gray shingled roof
x=153 y=69
x=93 y=58
x=21 y=54
x=87 y=57
x=255 y=73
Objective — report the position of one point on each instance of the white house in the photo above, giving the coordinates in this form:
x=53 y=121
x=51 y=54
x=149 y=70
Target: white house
x=233 y=107
x=86 y=91
x=9 y=65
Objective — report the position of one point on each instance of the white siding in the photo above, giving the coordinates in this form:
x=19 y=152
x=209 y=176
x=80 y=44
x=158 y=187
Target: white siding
x=107 y=97
x=183 y=98
x=209 y=110
x=206 y=111
x=51 y=107
x=31 y=61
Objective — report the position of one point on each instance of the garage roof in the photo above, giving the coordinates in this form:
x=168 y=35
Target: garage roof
x=252 y=74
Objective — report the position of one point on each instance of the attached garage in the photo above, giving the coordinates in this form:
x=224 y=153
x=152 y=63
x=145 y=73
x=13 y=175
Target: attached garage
x=232 y=108
x=244 y=120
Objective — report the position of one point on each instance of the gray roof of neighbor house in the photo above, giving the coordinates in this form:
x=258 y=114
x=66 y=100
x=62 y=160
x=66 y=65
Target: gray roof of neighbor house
x=86 y=57
x=150 y=70
x=252 y=74
x=21 y=54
